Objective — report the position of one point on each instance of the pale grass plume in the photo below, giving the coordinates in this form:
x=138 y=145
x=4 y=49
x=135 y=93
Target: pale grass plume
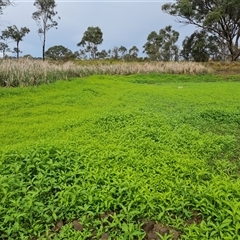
x=26 y=72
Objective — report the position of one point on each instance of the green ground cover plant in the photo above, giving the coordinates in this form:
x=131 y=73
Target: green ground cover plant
x=121 y=157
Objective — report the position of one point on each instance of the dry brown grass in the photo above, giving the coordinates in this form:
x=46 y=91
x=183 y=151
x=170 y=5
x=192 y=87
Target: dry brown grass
x=25 y=72
x=224 y=68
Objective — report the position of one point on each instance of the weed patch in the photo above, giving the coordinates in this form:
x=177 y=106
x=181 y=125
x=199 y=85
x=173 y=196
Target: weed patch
x=110 y=157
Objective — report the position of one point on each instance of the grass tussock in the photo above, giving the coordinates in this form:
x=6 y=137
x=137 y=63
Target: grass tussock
x=224 y=68
x=27 y=72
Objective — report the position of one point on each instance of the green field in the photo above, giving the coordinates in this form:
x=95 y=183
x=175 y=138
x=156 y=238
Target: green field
x=121 y=157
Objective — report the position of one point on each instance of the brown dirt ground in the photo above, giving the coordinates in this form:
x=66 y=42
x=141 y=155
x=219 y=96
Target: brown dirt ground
x=152 y=229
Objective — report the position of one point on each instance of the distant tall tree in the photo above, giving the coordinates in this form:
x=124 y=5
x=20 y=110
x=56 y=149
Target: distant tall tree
x=168 y=38
x=152 y=46
x=175 y=53
x=59 y=52
x=109 y=53
x=102 y=55
x=4 y=45
x=133 y=52
x=115 y=54
x=4 y=48
x=123 y=51
x=81 y=54
x=161 y=46
x=92 y=37
x=218 y=17
x=44 y=19
x=200 y=47
x=16 y=35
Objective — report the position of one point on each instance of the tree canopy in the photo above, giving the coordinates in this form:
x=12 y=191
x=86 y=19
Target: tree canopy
x=44 y=19
x=59 y=52
x=4 y=48
x=133 y=52
x=102 y=55
x=200 y=47
x=3 y=4
x=92 y=37
x=122 y=51
x=161 y=46
x=218 y=17
x=16 y=35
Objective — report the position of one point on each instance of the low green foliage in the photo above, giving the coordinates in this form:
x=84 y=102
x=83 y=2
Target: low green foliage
x=103 y=156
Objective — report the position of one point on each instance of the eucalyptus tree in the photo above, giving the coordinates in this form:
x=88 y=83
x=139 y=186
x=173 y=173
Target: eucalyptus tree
x=16 y=34
x=161 y=46
x=102 y=55
x=133 y=52
x=114 y=52
x=44 y=19
x=59 y=52
x=92 y=37
x=3 y=4
x=4 y=45
x=122 y=51
x=220 y=18
x=152 y=46
x=81 y=54
x=200 y=47
x=4 y=48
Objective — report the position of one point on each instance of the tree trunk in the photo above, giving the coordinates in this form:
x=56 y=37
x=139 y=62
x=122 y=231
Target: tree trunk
x=17 y=50
x=43 y=47
x=236 y=53
x=234 y=57
x=43 y=52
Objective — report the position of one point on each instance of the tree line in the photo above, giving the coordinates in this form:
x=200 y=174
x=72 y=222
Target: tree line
x=217 y=37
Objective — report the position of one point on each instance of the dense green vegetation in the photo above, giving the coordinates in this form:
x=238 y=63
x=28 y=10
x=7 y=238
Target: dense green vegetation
x=121 y=157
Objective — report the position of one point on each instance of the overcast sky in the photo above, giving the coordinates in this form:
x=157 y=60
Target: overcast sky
x=126 y=23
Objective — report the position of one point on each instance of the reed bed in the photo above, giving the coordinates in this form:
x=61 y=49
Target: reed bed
x=26 y=72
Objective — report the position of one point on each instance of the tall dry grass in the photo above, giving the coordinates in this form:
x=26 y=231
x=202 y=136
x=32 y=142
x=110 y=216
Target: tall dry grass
x=25 y=72
x=224 y=68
